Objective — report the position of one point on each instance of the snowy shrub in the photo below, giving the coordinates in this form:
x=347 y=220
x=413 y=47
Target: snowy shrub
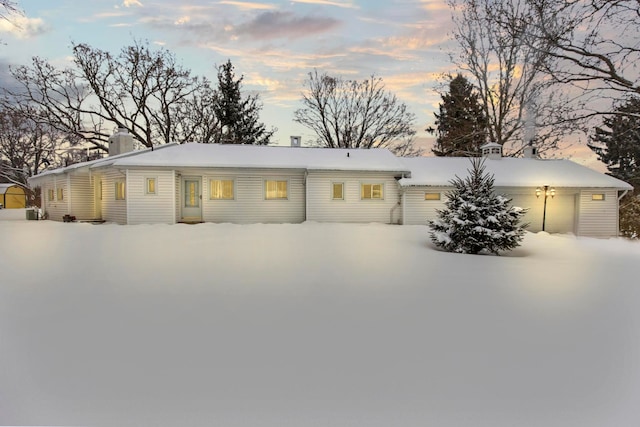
x=475 y=218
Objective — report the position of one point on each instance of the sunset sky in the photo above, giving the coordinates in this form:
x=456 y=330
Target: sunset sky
x=273 y=44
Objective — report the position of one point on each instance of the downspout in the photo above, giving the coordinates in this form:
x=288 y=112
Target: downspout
x=397 y=205
x=393 y=209
x=624 y=193
x=126 y=194
x=175 y=197
x=306 y=196
x=69 y=206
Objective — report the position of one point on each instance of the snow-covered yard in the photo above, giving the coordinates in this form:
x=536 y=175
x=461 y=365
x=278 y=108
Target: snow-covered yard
x=313 y=325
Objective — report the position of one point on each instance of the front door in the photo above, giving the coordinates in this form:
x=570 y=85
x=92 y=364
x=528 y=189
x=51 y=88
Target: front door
x=191 y=199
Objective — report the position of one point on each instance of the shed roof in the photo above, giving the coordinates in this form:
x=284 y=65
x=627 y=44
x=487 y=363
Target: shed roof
x=509 y=172
x=271 y=157
x=4 y=187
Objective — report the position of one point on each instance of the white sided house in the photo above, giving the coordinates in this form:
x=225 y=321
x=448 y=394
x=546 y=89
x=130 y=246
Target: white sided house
x=260 y=184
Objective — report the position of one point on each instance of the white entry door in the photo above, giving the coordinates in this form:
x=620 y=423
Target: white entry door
x=191 y=198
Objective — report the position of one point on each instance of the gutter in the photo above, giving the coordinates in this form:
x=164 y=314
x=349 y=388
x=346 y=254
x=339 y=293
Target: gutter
x=623 y=194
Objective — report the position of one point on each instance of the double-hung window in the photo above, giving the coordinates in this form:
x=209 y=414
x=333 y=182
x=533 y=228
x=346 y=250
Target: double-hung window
x=372 y=191
x=60 y=194
x=274 y=189
x=337 y=191
x=221 y=189
x=150 y=186
x=120 y=190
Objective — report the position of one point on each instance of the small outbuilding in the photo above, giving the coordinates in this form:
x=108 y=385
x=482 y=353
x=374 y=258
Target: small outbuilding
x=12 y=196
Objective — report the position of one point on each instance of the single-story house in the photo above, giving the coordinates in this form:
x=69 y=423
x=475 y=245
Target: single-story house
x=12 y=196
x=268 y=184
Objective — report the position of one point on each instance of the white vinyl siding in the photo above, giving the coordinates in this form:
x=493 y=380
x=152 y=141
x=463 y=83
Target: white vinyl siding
x=113 y=210
x=249 y=204
x=81 y=197
x=146 y=209
x=598 y=218
x=561 y=211
x=322 y=207
x=417 y=210
x=560 y=214
x=54 y=208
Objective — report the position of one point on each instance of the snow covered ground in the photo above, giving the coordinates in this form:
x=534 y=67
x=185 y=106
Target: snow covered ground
x=313 y=325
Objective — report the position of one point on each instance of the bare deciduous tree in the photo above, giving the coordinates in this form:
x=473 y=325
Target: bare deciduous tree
x=594 y=45
x=26 y=147
x=356 y=114
x=507 y=61
x=143 y=90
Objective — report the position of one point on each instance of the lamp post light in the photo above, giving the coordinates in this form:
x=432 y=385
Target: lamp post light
x=548 y=191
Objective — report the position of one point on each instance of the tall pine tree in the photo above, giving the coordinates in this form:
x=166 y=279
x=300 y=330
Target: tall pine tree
x=475 y=218
x=238 y=116
x=460 y=124
x=617 y=142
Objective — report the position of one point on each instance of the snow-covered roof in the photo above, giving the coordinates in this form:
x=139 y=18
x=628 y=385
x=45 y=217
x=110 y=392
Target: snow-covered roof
x=271 y=157
x=92 y=163
x=5 y=186
x=509 y=172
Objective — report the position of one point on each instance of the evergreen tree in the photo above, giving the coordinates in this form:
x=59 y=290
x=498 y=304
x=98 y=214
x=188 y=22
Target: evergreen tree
x=460 y=124
x=475 y=218
x=617 y=142
x=238 y=116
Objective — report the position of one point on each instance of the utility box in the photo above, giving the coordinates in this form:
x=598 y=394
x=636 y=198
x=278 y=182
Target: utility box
x=31 y=214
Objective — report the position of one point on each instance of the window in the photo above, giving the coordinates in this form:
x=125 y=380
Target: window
x=598 y=197
x=337 y=191
x=60 y=194
x=151 y=186
x=432 y=196
x=371 y=191
x=50 y=195
x=275 y=190
x=120 y=190
x=220 y=189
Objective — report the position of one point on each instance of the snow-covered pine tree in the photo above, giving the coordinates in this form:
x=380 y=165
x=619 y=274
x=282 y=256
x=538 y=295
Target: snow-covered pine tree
x=475 y=218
